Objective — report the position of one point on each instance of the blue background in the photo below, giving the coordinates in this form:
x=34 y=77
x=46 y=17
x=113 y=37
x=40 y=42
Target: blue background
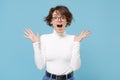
x=100 y=52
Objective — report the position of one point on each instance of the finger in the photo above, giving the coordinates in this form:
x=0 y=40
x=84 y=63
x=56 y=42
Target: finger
x=27 y=31
x=80 y=34
x=38 y=35
x=83 y=32
x=26 y=36
x=87 y=33
x=30 y=30
x=75 y=37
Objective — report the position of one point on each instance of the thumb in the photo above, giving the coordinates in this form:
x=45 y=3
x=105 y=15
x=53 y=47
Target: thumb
x=75 y=35
x=38 y=36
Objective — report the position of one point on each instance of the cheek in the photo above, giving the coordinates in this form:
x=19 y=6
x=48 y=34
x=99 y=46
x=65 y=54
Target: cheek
x=51 y=22
x=65 y=23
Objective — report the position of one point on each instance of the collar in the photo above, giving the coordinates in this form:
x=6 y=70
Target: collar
x=59 y=34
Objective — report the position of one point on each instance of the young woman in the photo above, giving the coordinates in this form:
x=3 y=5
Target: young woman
x=58 y=51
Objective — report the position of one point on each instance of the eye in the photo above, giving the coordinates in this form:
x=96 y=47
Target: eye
x=62 y=17
x=54 y=17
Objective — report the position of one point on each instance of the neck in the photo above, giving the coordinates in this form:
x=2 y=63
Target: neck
x=59 y=34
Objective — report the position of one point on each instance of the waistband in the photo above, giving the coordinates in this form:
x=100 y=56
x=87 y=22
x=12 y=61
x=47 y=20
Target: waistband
x=59 y=77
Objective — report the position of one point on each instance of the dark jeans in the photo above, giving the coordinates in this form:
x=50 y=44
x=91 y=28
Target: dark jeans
x=47 y=78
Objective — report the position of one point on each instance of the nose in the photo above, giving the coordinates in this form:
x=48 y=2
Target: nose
x=59 y=19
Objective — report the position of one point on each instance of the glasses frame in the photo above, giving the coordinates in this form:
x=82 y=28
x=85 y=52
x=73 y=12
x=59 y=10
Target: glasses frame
x=62 y=18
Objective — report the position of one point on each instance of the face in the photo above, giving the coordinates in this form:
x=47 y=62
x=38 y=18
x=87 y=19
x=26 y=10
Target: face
x=58 y=21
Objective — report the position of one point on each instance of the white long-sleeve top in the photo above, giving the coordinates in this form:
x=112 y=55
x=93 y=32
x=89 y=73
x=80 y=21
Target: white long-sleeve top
x=58 y=52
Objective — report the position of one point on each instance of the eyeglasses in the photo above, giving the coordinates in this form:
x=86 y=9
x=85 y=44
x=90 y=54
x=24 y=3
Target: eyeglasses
x=59 y=18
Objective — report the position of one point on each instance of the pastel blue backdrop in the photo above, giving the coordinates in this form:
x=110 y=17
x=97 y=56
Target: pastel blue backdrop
x=100 y=52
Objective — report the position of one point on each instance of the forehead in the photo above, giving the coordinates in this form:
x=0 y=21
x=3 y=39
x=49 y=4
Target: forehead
x=57 y=13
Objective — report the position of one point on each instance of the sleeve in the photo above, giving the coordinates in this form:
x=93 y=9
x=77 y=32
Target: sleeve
x=39 y=53
x=75 y=60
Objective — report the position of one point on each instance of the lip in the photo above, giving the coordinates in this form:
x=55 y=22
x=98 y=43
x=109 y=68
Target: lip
x=59 y=25
x=59 y=28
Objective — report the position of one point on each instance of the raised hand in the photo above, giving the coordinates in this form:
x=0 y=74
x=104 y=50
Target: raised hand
x=83 y=34
x=28 y=33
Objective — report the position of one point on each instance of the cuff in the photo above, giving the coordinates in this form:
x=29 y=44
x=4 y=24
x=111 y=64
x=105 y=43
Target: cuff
x=36 y=44
x=76 y=43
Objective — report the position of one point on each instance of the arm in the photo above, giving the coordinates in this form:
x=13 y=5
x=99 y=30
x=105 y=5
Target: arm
x=38 y=48
x=75 y=60
x=39 y=54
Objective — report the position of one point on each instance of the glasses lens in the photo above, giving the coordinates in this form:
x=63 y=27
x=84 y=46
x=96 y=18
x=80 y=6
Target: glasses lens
x=59 y=18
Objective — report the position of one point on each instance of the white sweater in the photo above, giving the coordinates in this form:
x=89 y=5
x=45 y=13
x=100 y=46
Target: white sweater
x=58 y=52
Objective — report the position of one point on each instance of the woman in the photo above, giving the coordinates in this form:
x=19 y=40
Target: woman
x=58 y=51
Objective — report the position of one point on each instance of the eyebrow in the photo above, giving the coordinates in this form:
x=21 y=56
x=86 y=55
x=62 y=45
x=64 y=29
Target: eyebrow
x=57 y=16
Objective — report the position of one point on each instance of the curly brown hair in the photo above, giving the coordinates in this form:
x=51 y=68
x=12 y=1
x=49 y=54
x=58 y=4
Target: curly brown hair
x=64 y=11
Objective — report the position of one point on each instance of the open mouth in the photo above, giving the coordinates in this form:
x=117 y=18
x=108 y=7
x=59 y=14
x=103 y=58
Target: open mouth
x=59 y=25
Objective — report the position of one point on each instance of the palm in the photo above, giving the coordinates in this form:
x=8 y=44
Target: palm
x=83 y=34
x=30 y=35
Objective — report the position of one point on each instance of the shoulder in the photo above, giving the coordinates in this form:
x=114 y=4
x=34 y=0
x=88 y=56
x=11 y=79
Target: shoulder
x=44 y=36
x=70 y=37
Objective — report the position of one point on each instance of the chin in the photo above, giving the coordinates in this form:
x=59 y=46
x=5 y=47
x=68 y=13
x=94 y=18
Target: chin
x=60 y=31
